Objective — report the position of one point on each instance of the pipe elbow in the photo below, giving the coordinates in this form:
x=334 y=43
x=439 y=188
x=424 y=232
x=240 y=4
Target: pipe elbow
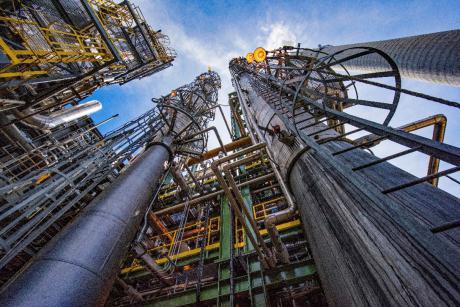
x=440 y=119
x=214 y=166
x=47 y=122
x=226 y=169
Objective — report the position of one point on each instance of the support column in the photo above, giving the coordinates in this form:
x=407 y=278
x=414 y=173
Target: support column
x=79 y=266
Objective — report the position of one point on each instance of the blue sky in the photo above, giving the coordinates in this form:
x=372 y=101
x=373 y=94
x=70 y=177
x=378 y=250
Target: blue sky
x=210 y=33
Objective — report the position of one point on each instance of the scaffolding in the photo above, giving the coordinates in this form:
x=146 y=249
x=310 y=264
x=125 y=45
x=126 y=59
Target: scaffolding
x=58 y=52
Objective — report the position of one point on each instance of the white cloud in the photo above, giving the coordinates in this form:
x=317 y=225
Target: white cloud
x=271 y=28
x=279 y=34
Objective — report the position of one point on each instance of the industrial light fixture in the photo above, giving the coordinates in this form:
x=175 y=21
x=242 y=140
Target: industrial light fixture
x=250 y=57
x=259 y=54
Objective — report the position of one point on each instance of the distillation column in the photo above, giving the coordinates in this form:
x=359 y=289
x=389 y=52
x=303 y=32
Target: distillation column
x=373 y=245
x=80 y=265
x=429 y=57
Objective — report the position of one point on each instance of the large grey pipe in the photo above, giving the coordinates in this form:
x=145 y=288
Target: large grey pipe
x=60 y=117
x=433 y=57
x=79 y=267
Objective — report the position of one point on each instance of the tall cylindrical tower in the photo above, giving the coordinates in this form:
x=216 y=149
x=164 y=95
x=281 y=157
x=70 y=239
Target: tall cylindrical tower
x=429 y=57
x=373 y=228
x=79 y=267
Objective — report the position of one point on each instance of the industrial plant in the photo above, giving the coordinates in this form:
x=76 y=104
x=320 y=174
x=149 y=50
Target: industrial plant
x=295 y=210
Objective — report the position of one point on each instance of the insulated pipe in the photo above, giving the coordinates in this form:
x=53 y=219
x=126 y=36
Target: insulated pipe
x=270 y=224
x=239 y=215
x=239 y=198
x=265 y=256
x=279 y=217
x=79 y=266
x=432 y=57
x=255 y=136
x=46 y=122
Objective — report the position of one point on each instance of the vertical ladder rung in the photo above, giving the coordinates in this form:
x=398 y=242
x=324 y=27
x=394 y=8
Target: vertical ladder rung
x=328 y=128
x=316 y=123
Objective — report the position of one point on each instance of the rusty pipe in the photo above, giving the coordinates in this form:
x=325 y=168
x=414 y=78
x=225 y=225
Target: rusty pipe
x=215 y=151
x=156 y=223
x=439 y=123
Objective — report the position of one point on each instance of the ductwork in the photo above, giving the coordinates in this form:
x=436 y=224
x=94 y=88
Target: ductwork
x=47 y=122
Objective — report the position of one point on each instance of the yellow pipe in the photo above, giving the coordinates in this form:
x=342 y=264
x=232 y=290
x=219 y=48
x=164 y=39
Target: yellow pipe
x=215 y=151
x=439 y=121
x=136 y=267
